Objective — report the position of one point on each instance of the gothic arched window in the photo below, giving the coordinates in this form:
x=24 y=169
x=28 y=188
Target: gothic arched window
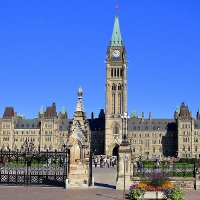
x=116 y=130
x=113 y=86
x=113 y=103
x=119 y=103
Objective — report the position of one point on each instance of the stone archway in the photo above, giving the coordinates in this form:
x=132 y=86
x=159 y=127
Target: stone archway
x=115 y=151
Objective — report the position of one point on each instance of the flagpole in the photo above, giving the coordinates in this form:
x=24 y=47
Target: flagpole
x=116 y=7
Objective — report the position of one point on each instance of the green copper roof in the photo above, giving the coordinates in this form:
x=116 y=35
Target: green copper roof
x=42 y=110
x=116 y=39
x=134 y=114
x=63 y=111
x=22 y=116
x=177 y=109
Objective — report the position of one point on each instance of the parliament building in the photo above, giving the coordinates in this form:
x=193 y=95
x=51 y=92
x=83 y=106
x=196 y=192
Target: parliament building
x=147 y=137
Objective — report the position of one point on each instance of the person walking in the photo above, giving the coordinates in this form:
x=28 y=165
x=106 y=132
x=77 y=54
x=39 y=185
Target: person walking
x=49 y=162
x=157 y=163
x=171 y=162
x=140 y=165
x=108 y=161
x=101 y=162
x=95 y=162
x=104 y=161
x=3 y=161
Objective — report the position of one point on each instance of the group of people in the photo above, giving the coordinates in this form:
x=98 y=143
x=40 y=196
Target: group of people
x=106 y=161
x=139 y=165
x=55 y=162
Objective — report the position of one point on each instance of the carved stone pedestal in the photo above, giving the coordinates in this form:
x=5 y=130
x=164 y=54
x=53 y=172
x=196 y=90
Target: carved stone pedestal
x=124 y=166
x=78 y=176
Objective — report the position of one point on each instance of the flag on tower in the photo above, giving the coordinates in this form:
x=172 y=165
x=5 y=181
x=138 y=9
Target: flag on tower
x=116 y=6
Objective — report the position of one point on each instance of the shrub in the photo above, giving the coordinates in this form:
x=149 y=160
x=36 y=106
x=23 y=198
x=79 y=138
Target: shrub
x=135 y=193
x=173 y=194
x=154 y=179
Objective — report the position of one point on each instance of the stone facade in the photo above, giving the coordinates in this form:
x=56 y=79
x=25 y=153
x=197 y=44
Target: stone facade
x=148 y=137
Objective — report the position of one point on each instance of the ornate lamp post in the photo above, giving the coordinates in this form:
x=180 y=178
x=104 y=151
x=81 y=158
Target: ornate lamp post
x=28 y=150
x=124 y=118
x=66 y=160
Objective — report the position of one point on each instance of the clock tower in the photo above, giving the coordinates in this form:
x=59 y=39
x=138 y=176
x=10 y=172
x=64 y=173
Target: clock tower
x=116 y=90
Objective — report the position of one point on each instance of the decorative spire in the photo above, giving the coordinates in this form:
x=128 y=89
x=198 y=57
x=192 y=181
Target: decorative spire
x=177 y=109
x=116 y=39
x=134 y=114
x=42 y=110
x=63 y=111
x=79 y=106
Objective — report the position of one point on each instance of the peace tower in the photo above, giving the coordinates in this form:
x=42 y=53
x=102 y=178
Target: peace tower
x=116 y=90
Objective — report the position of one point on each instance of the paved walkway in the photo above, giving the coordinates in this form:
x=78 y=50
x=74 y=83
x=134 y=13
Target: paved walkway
x=104 y=189
x=42 y=193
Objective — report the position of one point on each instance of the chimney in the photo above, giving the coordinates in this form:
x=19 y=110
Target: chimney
x=92 y=116
x=150 y=116
x=142 y=116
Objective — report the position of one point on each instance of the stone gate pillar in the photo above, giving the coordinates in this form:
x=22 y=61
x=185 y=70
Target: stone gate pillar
x=79 y=142
x=197 y=176
x=125 y=169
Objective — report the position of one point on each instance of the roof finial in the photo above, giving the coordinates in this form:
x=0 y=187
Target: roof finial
x=79 y=106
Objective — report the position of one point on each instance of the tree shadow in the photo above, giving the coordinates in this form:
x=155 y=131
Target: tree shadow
x=104 y=185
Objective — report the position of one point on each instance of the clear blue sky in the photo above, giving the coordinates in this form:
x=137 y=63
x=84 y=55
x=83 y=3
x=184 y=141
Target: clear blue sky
x=50 y=48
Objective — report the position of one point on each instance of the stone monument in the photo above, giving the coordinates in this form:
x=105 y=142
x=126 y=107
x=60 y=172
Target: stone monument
x=79 y=145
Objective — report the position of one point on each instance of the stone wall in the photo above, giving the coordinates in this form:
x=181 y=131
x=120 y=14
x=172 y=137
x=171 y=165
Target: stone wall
x=186 y=183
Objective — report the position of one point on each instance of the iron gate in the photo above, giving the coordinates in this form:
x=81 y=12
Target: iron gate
x=36 y=168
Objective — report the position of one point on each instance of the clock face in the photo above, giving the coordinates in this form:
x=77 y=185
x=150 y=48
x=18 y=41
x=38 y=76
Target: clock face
x=116 y=53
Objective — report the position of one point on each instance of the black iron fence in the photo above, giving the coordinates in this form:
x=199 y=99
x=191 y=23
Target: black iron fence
x=177 y=170
x=36 y=168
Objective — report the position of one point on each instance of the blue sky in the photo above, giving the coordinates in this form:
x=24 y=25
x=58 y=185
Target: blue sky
x=50 y=48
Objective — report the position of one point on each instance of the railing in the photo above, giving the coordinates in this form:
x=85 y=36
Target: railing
x=34 y=169
x=178 y=170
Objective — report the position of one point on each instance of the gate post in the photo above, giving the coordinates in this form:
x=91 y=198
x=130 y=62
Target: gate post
x=197 y=175
x=90 y=165
x=66 y=168
x=124 y=174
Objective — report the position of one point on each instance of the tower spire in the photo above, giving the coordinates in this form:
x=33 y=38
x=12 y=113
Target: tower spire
x=116 y=39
